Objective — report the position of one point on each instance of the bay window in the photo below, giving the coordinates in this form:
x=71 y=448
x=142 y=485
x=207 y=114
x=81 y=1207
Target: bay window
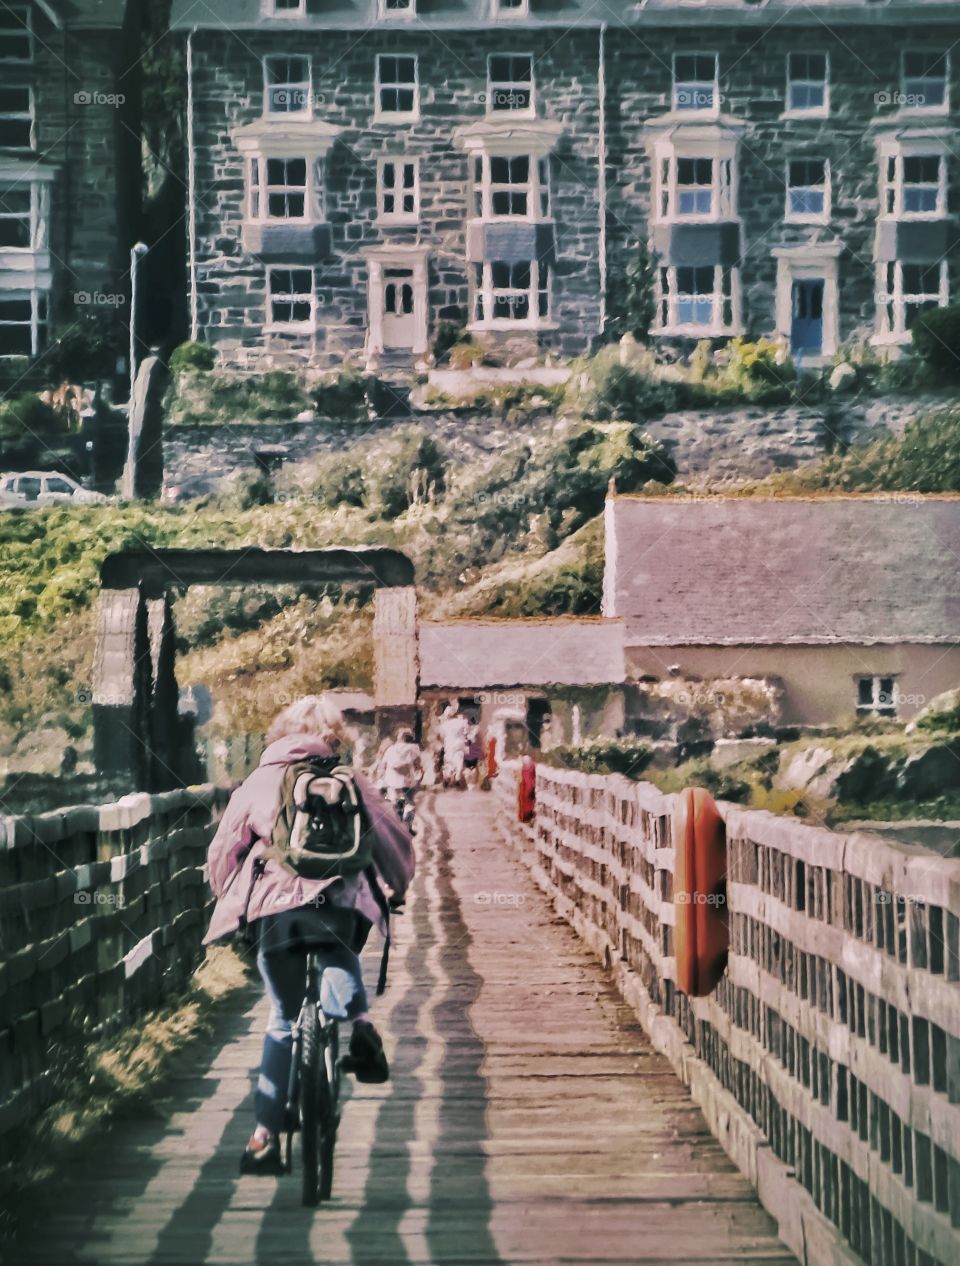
x=905 y=291
x=696 y=299
x=286 y=188
x=694 y=186
x=511 y=292
x=18 y=216
x=510 y=186
x=913 y=184
x=23 y=322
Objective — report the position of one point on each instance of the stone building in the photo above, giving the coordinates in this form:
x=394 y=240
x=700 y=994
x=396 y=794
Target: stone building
x=69 y=166
x=362 y=172
x=850 y=605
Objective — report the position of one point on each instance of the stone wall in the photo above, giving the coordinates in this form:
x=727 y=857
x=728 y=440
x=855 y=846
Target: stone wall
x=826 y=1060
x=722 y=444
x=102 y=911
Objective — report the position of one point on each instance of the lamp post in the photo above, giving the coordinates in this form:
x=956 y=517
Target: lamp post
x=136 y=255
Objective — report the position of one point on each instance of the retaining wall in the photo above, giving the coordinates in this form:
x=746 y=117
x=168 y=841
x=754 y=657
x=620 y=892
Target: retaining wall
x=102 y=910
x=827 y=1061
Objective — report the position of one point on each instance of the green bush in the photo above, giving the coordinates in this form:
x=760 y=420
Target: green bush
x=27 y=416
x=936 y=340
x=340 y=482
x=753 y=371
x=196 y=356
x=626 y=756
x=613 y=391
x=412 y=468
x=344 y=399
x=448 y=334
x=85 y=353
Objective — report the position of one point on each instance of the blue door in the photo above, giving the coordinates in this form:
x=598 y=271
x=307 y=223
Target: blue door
x=806 y=332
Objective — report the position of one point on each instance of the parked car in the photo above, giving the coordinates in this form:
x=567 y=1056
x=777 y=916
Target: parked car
x=31 y=488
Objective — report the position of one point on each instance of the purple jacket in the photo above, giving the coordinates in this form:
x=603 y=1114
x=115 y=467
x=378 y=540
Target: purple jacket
x=244 y=834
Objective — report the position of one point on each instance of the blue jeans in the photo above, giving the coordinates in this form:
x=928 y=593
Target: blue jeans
x=342 y=997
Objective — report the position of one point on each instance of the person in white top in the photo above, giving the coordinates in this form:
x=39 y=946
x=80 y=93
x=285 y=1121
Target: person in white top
x=453 y=734
x=400 y=772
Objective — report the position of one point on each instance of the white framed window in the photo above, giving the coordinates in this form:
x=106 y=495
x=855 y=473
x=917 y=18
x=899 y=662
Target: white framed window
x=19 y=214
x=696 y=82
x=924 y=80
x=398 y=8
x=808 y=190
x=505 y=294
x=23 y=322
x=16 y=118
x=398 y=190
x=808 y=84
x=16 y=32
x=287 y=8
x=511 y=186
x=695 y=185
x=397 y=86
x=290 y=300
x=876 y=696
x=510 y=86
x=701 y=299
x=904 y=291
x=287 y=85
x=914 y=185
x=288 y=188
x=510 y=8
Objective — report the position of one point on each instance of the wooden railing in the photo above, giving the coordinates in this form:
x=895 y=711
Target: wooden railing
x=102 y=911
x=827 y=1060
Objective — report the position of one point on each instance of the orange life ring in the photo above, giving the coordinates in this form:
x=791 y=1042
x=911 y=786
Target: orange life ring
x=701 y=933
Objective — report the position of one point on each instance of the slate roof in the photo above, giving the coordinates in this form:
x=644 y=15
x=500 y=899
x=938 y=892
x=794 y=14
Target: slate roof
x=486 y=654
x=728 y=572
x=334 y=14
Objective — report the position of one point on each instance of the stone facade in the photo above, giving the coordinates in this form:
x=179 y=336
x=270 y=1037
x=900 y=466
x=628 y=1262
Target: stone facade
x=790 y=171
x=69 y=169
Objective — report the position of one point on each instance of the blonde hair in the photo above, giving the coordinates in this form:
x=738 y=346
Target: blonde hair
x=313 y=714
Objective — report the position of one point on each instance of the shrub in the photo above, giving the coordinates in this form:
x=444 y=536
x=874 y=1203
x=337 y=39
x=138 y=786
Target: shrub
x=344 y=398
x=936 y=340
x=609 y=390
x=624 y=756
x=466 y=353
x=26 y=417
x=630 y=297
x=754 y=371
x=195 y=356
x=340 y=482
x=85 y=352
x=448 y=335
x=413 y=469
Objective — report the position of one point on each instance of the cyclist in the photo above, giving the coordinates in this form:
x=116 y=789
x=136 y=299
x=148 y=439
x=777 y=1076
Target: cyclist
x=453 y=735
x=285 y=914
x=400 y=771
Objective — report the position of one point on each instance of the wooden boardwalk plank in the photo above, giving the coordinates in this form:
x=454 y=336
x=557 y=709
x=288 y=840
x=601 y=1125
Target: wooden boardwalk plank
x=528 y=1121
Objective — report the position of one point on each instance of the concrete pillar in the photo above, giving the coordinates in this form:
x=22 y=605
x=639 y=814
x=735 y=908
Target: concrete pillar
x=396 y=671
x=121 y=689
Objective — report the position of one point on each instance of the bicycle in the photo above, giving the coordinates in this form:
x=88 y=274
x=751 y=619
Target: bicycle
x=313 y=1093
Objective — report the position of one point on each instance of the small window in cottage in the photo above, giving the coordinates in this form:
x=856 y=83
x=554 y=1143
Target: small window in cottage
x=398 y=8
x=925 y=80
x=16 y=33
x=23 y=322
x=808 y=88
x=16 y=118
x=288 y=8
x=16 y=216
x=696 y=299
x=287 y=85
x=807 y=188
x=397 y=86
x=510 y=83
x=291 y=296
x=398 y=190
x=875 y=697
x=695 y=85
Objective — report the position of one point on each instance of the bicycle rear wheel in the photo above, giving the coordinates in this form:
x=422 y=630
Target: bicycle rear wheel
x=312 y=1094
x=331 y=1115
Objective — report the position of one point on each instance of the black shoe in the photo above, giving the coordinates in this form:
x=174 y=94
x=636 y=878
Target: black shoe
x=366 y=1060
x=262 y=1156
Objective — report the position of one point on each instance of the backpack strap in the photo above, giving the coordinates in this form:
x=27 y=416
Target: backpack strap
x=384 y=908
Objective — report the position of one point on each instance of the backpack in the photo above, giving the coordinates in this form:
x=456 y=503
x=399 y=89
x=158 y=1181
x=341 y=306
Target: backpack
x=323 y=833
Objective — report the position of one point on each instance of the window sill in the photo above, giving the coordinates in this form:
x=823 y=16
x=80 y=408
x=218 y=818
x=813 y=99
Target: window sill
x=398 y=221
x=787 y=115
x=511 y=114
x=478 y=327
x=807 y=219
x=698 y=219
x=397 y=118
x=296 y=327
